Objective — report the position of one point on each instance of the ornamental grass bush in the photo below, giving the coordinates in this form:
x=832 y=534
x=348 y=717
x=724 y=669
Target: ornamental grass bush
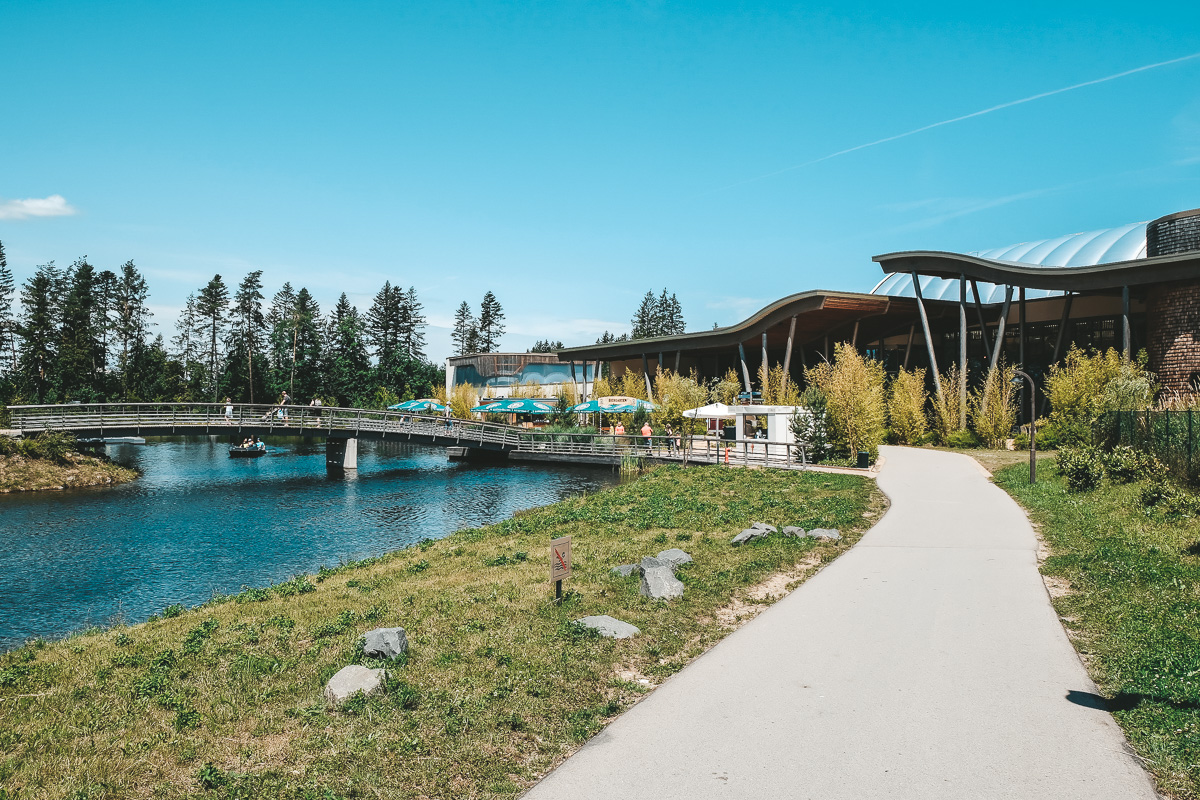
x=948 y=412
x=1086 y=384
x=726 y=390
x=906 y=406
x=674 y=394
x=854 y=395
x=993 y=406
x=778 y=388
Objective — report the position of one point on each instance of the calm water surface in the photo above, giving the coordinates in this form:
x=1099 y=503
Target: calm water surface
x=198 y=523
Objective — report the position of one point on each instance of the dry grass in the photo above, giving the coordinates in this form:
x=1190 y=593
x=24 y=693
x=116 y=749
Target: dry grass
x=20 y=473
x=499 y=685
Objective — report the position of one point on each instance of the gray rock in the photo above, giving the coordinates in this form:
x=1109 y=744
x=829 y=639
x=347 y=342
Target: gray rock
x=351 y=680
x=385 y=643
x=625 y=570
x=660 y=583
x=762 y=526
x=747 y=535
x=609 y=626
x=792 y=530
x=650 y=562
x=825 y=533
x=674 y=557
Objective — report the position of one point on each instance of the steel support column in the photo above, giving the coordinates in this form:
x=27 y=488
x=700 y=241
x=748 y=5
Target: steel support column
x=962 y=351
x=787 y=354
x=745 y=369
x=1126 y=337
x=1000 y=328
x=987 y=346
x=937 y=379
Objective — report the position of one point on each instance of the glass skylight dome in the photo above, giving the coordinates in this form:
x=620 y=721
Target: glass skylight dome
x=1125 y=243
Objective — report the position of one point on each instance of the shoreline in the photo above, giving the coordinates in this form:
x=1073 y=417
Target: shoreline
x=21 y=473
x=229 y=693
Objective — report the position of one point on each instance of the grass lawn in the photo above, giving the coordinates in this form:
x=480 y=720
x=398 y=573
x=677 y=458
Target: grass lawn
x=499 y=685
x=20 y=473
x=1132 y=609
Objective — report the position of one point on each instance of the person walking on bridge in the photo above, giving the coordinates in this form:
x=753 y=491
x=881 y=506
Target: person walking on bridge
x=647 y=432
x=283 y=404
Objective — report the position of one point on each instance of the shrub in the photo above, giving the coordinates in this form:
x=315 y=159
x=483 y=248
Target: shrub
x=675 y=394
x=962 y=439
x=948 y=413
x=906 y=406
x=1125 y=465
x=993 y=407
x=1082 y=468
x=810 y=424
x=854 y=397
x=1085 y=385
x=778 y=388
x=727 y=389
x=1167 y=498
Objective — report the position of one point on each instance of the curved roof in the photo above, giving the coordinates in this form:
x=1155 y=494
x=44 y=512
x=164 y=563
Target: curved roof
x=1111 y=245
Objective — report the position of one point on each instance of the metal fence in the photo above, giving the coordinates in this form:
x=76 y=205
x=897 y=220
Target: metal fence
x=1173 y=437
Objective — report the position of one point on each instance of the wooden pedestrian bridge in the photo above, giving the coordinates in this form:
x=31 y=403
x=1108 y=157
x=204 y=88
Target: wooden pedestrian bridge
x=343 y=427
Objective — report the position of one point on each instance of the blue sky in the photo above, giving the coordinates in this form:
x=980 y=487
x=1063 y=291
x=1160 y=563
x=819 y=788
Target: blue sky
x=569 y=156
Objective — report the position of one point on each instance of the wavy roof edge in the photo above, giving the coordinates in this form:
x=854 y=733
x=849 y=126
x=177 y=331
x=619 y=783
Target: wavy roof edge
x=1088 y=249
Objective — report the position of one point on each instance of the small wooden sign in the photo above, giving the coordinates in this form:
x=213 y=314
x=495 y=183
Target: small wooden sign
x=560 y=558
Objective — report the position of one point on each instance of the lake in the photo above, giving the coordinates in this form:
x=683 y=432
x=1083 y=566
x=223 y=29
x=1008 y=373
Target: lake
x=198 y=523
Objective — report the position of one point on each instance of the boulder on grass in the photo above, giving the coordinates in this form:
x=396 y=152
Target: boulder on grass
x=762 y=526
x=793 y=531
x=610 y=626
x=388 y=643
x=660 y=583
x=747 y=535
x=625 y=570
x=650 y=562
x=674 y=557
x=352 y=680
x=825 y=533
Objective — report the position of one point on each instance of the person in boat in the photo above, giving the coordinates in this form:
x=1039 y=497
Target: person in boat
x=259 y=444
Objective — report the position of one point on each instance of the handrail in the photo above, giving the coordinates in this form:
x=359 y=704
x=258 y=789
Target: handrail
x=180 y=417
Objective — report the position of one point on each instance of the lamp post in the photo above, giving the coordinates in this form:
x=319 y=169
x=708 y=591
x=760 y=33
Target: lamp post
x=1032 y=423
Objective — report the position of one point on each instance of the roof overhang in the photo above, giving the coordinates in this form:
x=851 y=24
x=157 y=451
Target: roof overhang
x=816 y=312
x=1097 y=278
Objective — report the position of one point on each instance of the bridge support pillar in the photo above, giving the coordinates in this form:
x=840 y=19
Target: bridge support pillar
x=341 y=453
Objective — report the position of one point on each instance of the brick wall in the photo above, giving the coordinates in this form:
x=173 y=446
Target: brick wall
x=1173 y=312
x=1175 y=233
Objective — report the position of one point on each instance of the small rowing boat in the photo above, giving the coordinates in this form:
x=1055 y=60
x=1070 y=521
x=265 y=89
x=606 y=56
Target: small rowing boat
x=247 y=452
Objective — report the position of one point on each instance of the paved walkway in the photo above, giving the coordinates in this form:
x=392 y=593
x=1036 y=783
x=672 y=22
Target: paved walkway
x=924 y=663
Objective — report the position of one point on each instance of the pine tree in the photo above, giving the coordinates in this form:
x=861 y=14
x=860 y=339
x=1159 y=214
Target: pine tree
x=104 y=323
x=245 y=343
x=382 y=324
x=281 y=322
x=211 y=309
x=412 y=328
x=465 y=335
x=644 y=322
x=491 y=324
x=546 y=346
x=304 y=379
x=8 y=323
x=39 y=332
x=130 y=326
x=669 y=315
x=346 y=366
x=80 y=350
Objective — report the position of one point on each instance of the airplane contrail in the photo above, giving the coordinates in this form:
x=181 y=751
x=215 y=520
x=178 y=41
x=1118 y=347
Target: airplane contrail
x=973 y=114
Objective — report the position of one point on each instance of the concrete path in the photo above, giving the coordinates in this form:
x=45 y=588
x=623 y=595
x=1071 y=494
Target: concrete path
x=924 y=663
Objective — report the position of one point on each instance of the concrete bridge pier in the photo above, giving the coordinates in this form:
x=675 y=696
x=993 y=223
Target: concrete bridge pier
x=341 y=453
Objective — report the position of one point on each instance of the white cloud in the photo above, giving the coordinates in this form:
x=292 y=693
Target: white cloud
x=53 y=206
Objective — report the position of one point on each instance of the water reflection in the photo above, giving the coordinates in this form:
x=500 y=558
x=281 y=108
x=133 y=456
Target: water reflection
x=199 y=523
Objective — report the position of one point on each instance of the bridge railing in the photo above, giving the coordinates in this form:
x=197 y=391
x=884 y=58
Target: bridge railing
x=97 y=417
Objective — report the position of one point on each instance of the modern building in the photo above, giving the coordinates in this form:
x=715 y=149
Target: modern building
x=1134 y=287
x=496 y=375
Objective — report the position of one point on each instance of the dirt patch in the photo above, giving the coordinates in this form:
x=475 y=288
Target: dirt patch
x=779 y=584
x=1056 y=586
x=756 y=598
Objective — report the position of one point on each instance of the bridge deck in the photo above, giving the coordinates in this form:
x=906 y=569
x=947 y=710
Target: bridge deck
x=176 y=419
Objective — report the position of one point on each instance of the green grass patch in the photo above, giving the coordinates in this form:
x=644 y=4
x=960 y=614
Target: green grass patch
x=1133 y=612
x=498 y=686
